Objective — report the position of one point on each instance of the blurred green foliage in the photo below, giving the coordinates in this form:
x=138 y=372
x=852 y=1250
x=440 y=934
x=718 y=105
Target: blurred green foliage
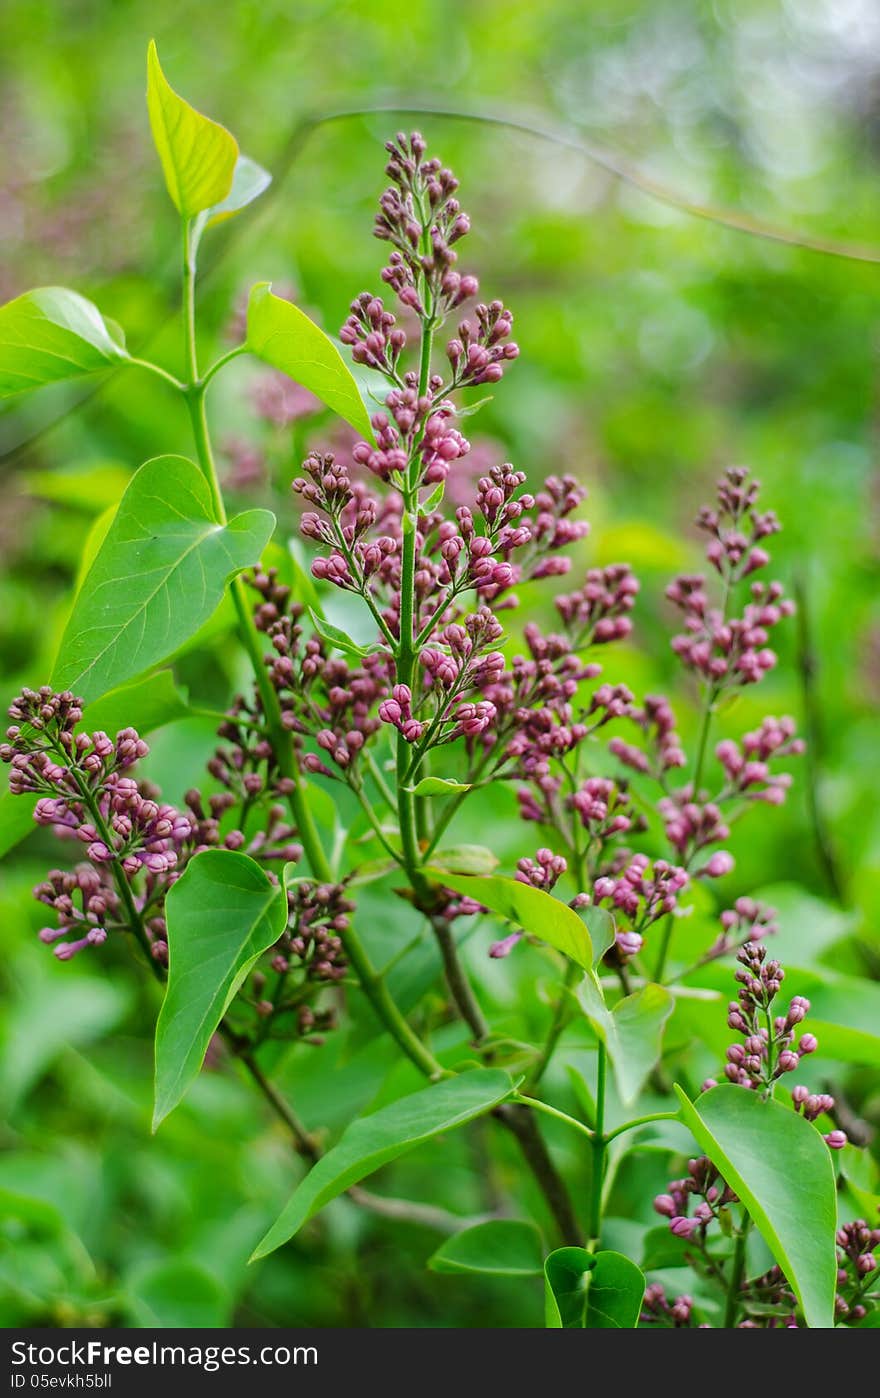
x=656 y=348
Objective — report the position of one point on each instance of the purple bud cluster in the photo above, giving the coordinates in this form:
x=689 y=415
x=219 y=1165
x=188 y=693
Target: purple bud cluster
x=747 y=766
x=857 y=1244
x=657 y=1309
x=772 y=1043
x=136 y=845
x=637 y=893
x=703 y=1183
x=747 y=921
x=722 y=650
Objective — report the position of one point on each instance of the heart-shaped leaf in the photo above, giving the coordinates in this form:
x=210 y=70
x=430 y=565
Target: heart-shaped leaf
x=632 y=1031
x=374 y=1140
x=282 y=335
x=222 y=914
x=532 y=909
x=198 y=155
x=52 y=334
x=158 y=576
x=781 y=1169
x=503 y=1247
x=592 y=1290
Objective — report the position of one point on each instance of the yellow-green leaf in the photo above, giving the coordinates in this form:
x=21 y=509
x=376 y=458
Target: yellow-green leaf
x=198 y=155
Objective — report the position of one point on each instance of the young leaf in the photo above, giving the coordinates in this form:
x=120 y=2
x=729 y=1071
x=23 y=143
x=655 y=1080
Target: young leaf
x=282 y=335
x=374 y=1140
x=632 y=1032
x=434 y=500
x=49 y=335
x=222 y=914
x=249 y=181
x=593 y=1291
x=335 y=637
x=781 y=1169
x=532 y=909
x=437 y=786
x=198 y=155
x=503 y=1247
x=158 y=576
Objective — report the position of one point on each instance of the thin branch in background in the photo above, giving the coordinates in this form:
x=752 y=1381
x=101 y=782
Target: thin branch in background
x=614 y=165
x=808 y=666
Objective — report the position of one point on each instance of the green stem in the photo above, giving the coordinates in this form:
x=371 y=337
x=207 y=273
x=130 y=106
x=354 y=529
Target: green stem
x=156 y=369
x=708 y=713
x=734 y=1286
x=222 y=362
x=123 y=887
x=641 y=1121
x=557 y=1024
x=538 y=1106
x=375 y=822
x=405 y=667
x=663 y=953
x=599 y=1143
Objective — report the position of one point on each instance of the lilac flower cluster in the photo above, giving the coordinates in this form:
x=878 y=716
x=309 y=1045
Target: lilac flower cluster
x=723 y=650
x=857 y=1244
x=137 y=847
x=772 y=1043
x=701 y=1182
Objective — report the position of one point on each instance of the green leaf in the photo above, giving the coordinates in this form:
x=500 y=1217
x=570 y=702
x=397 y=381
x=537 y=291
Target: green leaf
x=144 y=704
x=282 y=335
x=632 y=1031
x=49 y=1018
x=249 y=181
x=592 y=1291
x=52 y=334
x=437 y=786
x=374 y=1140
x=532 y=909
x=434 y=499
x=176 y=1294
x=333 y=636
x=158 y=576
x=503 y=1247
x=781 y=1169
x=465 y=859
x=198 y=155
x=16 y=820
x=222 y=914
x=90 y=487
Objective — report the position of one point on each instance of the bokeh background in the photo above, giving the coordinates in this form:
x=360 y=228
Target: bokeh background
x=657 y=348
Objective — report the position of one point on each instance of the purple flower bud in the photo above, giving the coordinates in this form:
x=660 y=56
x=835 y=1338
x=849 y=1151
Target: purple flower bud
x=720 y=863
x=665 y=1204
x=836 y=1140
x=683 y=1227
x=505 y=946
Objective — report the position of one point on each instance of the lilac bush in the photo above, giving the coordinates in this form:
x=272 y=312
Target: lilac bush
x=461 y=688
